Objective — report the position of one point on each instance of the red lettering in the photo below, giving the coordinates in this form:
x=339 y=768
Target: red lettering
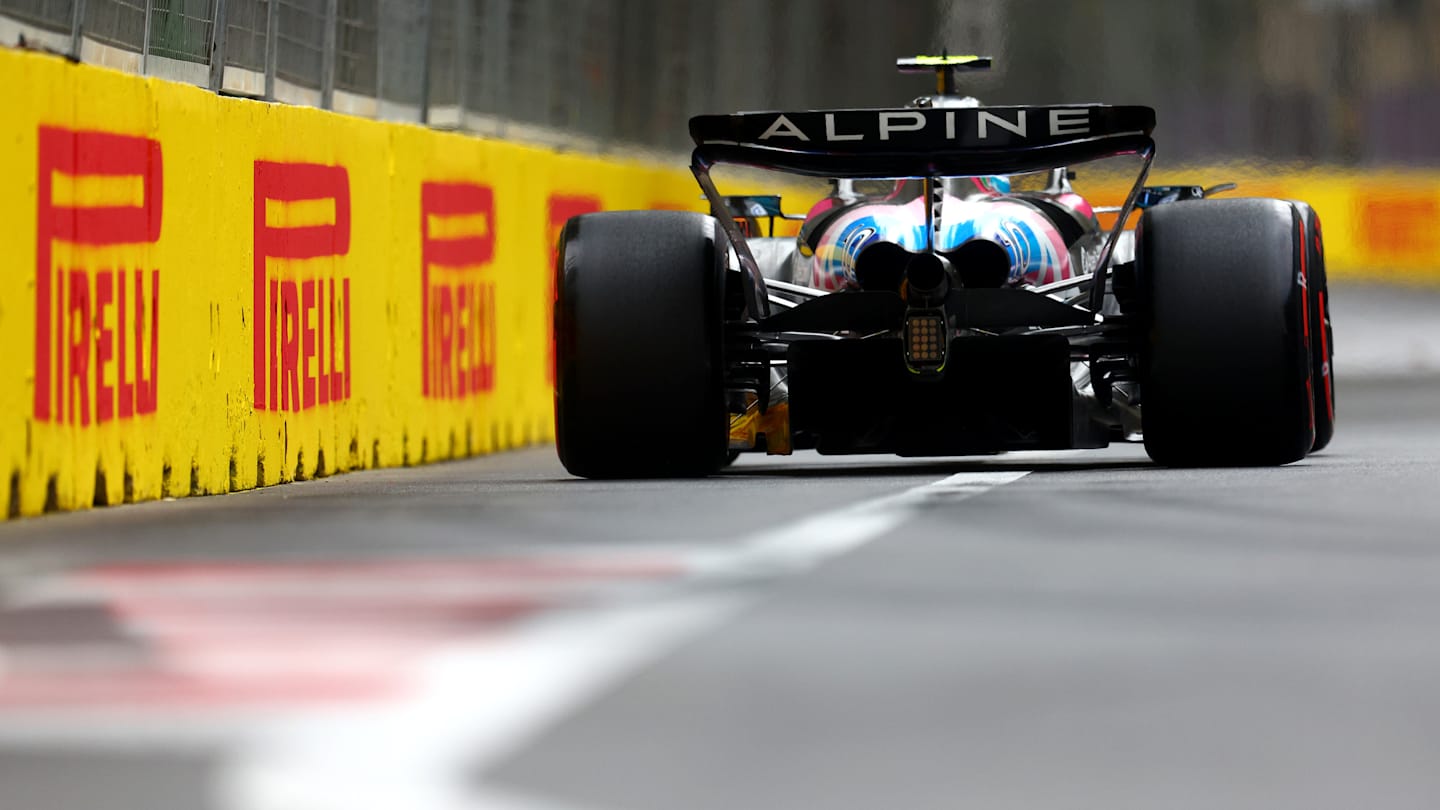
x=307 y=298
x=462 y=339
x=125 y=387
x=274 y=343
x=1400 y=226
x=283 y=353
x=64 y=332
x=104 y=346
x=447 y=327
x=459 y=327
x=335 y=379
x=60 y=338
x=147 y=389
x=487 y=344
x=79 y=328
x=289 y=347
x=322 y=374
x=457 y=227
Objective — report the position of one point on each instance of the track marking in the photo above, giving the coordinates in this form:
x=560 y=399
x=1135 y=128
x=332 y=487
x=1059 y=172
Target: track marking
x=801 y=545
x=412 y=673
x=478 y=704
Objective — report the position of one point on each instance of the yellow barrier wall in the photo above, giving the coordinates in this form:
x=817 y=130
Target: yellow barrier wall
x=398 y=280
x=1378 y=225
x=205 y=294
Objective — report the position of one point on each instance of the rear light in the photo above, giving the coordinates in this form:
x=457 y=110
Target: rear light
x=927 y=340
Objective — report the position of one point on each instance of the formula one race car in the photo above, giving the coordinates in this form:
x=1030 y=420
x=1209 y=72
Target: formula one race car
x=928 y=309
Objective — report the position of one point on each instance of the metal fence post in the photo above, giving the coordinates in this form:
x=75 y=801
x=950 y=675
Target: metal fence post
x=427 y=19
x=549 y=62
x=498 y=27
x=272 y=46
x=218 y=27
x=327 y=55
x=464 y=25
x=145 y=43
x=77 y=25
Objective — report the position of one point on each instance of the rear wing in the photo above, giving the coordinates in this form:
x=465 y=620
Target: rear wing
x=922 y=142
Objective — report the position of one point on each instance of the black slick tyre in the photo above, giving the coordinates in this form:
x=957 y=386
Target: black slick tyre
x=1224 y=354
x=639 y=371
x=1322 y=336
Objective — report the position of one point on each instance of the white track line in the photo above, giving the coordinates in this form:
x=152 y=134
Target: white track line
x=475 y=704
x=801 y=545
x=479 y=704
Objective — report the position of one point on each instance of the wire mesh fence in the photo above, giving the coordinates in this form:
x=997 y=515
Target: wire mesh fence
x=120 y=23
x=1337 y=81
x=300 y=41
x=51 y=15
x=181 y=29
x=357 y=47
x=247 y=41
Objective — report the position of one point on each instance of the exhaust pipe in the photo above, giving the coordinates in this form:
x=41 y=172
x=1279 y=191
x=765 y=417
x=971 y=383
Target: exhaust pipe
x=981 y=263
x=881 y=266
x=922 y=278
x=927 y=279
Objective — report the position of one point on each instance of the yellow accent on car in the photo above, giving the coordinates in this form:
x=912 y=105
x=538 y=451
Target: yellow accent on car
x=940 y=61
x=774 y=424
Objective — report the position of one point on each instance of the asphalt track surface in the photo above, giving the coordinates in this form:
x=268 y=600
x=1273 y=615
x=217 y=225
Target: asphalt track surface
x=1058 y=630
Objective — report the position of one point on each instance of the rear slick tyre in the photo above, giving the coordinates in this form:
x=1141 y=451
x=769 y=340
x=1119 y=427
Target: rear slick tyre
x=1224 y=354
x=639 y=371
x=1322 y=336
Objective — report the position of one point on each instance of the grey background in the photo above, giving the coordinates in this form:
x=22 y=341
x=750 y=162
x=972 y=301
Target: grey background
x=1349 y=82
